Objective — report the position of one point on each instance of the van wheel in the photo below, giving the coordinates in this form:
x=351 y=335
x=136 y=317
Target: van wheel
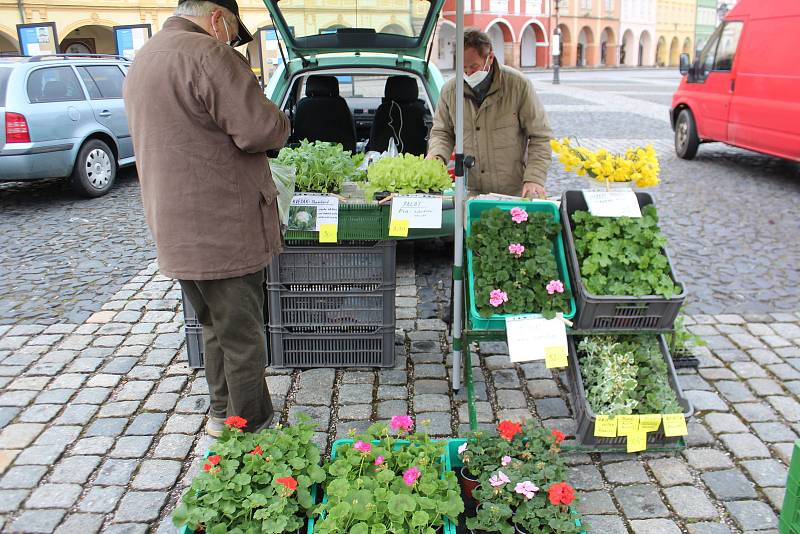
x=686 y=140
x=95 y=169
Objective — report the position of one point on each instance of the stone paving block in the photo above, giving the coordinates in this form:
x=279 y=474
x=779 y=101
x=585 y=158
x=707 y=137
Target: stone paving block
x=173 y=446
x=706 y=401
x=8 y=414
x=717 y=373
x=193 y=404
x=729 y=485
x=596 y=502
x=707 y=459
x=23 y=477
x=764 y=356
x=107 y=427
x=655 y=526
x=766 y=473
x=81 y=524
x=19 y=435
x=629 y=472
x=131 y=447
x=355 y=412
x=708 y=528
x=93 y=445
x=355 y=394
x=77 y=414
x=103 y=381
x=784 y=371
x=748 y=370
x=54 y=496
x=425 y=346
x=430 y=370
x=388 y=409
x=752 y=515
x=506 y=379
x=173 y=384
x=140 y=506
x=116 y=472
x=694 y=381
x=585 y=477
x=6 y=459
x=511 y=399
x=161 y=402
x=75 y=469
x=690 y=503
x=38 y=413
x=483 y=412
x=156 y=475
x=641 y=501
x=128 y=528
x=101 y=499
x=134 y=390
x=343 y=429
x=119 y=409
x=10 y=500
x=765 y=386
x=788 y=407
x=146 y=424
x=724 y=422
x=774 y=432
x=35 y=383
x=735 y=391
x=84 y=365
x=430 y=387
x=69 y=381
x=551 y=408
x=670 y=472
x=787 y=330
x=606 y=524
x=36 y=521
x=19 y=398
x=439 y=424
x=431 y=403
x=184 y=424
x=392 y=377
x=745 y=446
x=755 y=412
x=120 y=365
x=775 y=496
x=540 y=389
x=321 y=416
x=146 y=372
x=425 y=357
x=392 y=392
x=40 y=455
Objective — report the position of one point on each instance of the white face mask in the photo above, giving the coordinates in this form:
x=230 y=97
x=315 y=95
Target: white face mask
x=227 y=35
x=475 y=79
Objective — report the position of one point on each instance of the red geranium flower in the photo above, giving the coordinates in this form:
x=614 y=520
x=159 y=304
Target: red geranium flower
x=559 y=436
x=288 y=482
x=257 y=450
x=207 y=467
x=214 y=459
x=235 y=421
x=561 y=493
x=509 y=429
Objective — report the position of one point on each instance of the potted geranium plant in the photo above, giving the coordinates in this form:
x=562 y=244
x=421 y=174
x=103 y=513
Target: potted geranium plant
x=513 y=264
x=522 y=484
x=254 y=482
x=381 y=483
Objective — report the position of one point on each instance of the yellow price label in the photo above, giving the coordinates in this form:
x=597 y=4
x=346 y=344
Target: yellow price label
x=555 y=357
x=675 y=425
x=327 y=233
x=605 y=426
x=398 y=228
x=649 y=422
x=637 y=441
x=627 y=424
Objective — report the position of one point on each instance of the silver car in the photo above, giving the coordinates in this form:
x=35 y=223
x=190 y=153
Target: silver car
x=64 y=116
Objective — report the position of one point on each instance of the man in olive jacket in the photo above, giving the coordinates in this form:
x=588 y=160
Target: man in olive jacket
x=505 y=126
x=201 y=128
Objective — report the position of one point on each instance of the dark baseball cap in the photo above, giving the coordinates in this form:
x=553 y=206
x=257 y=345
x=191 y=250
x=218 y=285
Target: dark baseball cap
x=243 y=36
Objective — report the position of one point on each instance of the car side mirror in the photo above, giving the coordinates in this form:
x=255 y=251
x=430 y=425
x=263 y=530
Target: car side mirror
x=685 y=65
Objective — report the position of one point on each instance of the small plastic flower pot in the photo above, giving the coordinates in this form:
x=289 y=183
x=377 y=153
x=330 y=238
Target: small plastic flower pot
x=468 y=482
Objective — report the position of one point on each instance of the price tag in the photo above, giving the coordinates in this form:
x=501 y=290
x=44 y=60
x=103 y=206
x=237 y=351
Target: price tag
x=605 y=426
x=627 y=424
x=533 y=338
x=421 y=211
x=675 y=425
x=650 y=422
x=327 y=233
x=555 y=356
x=309 y=211
x=398 y=228
x=637 y=441
x=612 y=203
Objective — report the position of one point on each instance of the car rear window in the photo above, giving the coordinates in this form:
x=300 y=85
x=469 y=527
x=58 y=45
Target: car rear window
x=5 y=74
x=54 y=84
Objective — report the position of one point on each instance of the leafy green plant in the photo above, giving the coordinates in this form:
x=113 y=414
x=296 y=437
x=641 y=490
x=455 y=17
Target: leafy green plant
x=623 y=256
x=680 y=341
x=626 y=376
x=521 y=480
x=406 y=174
x=321 y=167
x=514 y=265
x=381 y=484
x=254 y=482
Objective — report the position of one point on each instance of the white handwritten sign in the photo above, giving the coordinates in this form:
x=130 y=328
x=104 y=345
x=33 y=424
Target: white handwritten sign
x=421 y=211
x=612 y=203
x=327 y=207
x=535 y=338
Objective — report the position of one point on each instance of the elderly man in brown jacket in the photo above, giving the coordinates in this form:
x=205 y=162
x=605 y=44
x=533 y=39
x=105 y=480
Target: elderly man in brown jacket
x=505 y=126
x=201 y=128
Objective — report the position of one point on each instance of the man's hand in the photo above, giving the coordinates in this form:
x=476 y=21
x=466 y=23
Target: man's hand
x=532 y=190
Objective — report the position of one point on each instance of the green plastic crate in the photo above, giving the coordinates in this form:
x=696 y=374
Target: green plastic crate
x=454 y=460
x=473 y=212
x=790 y=513
x=794 y=468
x=449 y=528
x=357 y=222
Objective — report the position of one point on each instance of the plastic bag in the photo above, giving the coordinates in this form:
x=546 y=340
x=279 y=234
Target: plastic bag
x=284 y=177
x=392 y=150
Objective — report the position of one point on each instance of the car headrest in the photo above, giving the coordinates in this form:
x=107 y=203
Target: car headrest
x=54 y=89
x=401 y=89
x=322 y=86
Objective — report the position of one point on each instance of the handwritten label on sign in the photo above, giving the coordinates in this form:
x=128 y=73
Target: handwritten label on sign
x=627 y=424
x=612 y=203
x=649 y=422
x=421 y=211
x=533 y=338
x=605 y=426
x=327 y=233
x=320 y=209
x=555 y=356
x=637 y=441
x=675 y=425
x=398 y=228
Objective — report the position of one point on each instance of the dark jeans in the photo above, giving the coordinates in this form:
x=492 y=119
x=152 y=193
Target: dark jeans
x=231 y=312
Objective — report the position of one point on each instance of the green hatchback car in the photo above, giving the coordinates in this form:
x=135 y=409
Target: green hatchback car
x=362 y=81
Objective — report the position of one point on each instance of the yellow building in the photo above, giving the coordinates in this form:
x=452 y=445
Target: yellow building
x=675 y=26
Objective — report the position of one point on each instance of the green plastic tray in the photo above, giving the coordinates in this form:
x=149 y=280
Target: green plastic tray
x=357 y=222
x=790 y=513
x=473 y=212
x=449 y=528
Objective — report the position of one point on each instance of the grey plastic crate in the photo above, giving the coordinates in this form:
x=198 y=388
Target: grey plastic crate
x=194 y=345
x=585 y=417
x=332 y=350
x=615 y=313
x=189 y=314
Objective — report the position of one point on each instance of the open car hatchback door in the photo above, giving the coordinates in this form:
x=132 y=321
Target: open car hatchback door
x=399 y=27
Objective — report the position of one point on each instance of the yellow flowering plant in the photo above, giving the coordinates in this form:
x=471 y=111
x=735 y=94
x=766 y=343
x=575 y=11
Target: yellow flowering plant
x=638 y=165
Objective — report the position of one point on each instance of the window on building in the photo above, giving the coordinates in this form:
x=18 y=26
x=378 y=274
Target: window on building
x=609 y=6
x=54 y=84
x=728 y=42
x=586 y=4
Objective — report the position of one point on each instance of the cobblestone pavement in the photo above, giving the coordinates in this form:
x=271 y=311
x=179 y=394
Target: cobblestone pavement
x=101 y=421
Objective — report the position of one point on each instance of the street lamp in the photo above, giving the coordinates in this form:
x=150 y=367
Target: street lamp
x=556 y=44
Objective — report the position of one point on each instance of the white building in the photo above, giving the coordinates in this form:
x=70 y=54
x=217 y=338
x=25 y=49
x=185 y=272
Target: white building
x=638 y=30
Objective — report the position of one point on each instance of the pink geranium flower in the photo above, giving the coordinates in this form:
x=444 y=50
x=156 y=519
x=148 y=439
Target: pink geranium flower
x=462 y=448
x=555 y=286
x=411 y=475
x=362 y=446
x=505 y=460
x=516 y=249
x=402 y=422
x=499 y=480
x=519 y=215
x=527 y=488
x=497 y=297
x=379 y=460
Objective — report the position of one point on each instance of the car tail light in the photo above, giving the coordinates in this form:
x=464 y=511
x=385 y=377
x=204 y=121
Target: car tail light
x=17 y=128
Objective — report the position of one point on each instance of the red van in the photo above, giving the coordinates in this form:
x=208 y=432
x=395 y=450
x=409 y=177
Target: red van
x=744 y=88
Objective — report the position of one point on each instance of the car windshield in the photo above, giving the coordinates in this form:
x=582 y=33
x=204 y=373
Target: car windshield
x=5 y=74
x=397 y=17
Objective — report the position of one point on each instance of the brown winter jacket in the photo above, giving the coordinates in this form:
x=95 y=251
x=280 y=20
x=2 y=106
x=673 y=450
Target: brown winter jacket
x=201 y=127
x=509 y=134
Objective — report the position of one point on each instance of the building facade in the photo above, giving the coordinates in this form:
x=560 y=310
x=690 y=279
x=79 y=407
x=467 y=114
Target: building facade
x=589 y=32
x=638 y=27
x=675 y=29
x=707 y=17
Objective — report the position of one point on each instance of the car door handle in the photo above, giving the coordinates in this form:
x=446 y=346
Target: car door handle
x=105 y=113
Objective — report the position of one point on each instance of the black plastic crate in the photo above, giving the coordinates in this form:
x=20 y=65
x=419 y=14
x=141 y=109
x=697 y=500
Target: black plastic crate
x=343 y=349
x=584 y=415
x=615 y=313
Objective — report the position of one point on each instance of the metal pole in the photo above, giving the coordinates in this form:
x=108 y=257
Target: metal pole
x=458 y=255
x=557 y=54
